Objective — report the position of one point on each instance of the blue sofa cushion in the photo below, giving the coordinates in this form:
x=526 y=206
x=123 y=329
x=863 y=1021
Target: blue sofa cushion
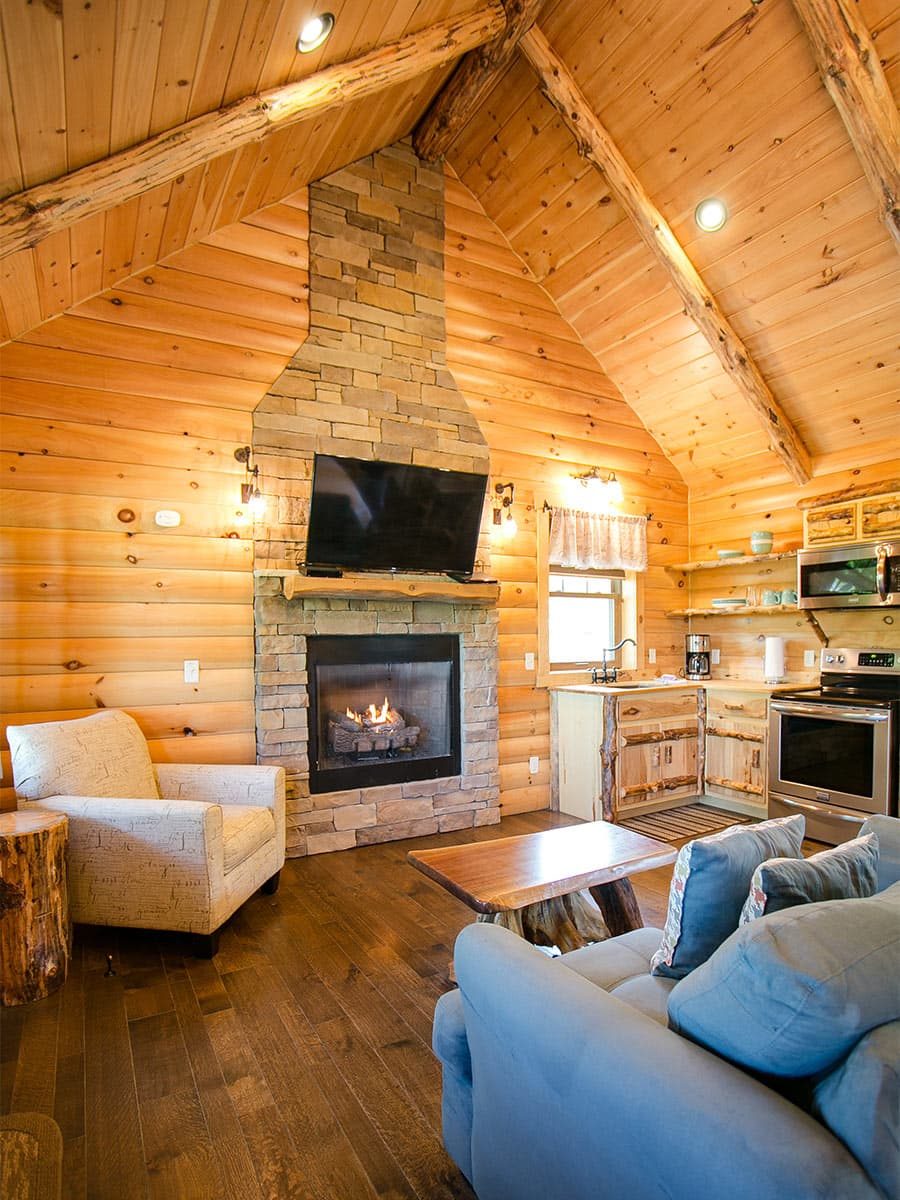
x=859 y=1101
x=710 y=883
x=845 y=872
x=621 y=967
x=790 y=993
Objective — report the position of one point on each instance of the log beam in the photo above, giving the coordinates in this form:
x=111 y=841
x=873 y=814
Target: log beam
x=30 y=216
x=853 y=76
x=473 y=78
x=597 y=147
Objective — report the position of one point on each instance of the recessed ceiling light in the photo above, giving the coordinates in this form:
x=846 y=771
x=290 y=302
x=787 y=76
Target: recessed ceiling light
x=314 y=32
x=711 y=215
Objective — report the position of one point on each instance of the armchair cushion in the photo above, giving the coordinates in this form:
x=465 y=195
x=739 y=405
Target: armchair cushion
x=791 y=993
x=104 y=754
x=244 y=829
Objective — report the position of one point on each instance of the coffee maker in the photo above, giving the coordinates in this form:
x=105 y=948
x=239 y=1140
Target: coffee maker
x=696 y=655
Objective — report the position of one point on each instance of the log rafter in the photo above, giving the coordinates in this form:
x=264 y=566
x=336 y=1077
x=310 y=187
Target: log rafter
x=472 y=79
x=853 y=76
x=597 y=147
x=32 y=215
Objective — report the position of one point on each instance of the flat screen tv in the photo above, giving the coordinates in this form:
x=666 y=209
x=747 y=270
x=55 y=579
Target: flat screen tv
x=380 y=516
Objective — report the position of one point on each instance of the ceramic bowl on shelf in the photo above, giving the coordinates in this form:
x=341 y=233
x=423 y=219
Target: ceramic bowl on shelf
x=729 y=554
x=761 y=541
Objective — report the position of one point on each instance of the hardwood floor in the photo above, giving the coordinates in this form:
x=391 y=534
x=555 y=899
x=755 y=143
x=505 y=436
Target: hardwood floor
x=296 y=1064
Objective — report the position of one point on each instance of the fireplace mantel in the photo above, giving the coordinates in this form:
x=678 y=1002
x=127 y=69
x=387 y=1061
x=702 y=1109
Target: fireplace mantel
x=382 y=587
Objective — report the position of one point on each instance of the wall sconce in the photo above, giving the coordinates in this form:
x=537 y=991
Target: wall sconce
x=251 y=497
x=504 y=529
x=602 y=487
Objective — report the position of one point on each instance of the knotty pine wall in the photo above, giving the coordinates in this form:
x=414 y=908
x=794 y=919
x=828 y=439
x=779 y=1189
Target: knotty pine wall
x=725 y=518
x=548 y=411
x=128 y=403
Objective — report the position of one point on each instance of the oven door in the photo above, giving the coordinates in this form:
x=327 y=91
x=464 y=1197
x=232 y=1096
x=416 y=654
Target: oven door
x=831 y=755
x=866 y=575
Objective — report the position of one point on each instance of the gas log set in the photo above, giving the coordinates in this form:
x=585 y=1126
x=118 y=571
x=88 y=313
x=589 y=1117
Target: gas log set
x=372 y=731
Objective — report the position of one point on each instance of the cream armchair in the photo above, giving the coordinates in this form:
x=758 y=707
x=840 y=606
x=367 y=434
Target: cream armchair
x=169 y=846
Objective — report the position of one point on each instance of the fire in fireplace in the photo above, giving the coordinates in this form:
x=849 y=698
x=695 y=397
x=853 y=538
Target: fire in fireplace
x=383 y=709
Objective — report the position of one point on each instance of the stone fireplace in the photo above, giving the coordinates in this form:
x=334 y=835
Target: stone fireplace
x=371 y=382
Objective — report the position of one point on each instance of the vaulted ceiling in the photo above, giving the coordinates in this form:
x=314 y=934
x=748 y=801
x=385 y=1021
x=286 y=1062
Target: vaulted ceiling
x=702 y=99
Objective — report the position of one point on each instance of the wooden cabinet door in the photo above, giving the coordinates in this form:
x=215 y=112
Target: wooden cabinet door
x=678 y=762
x=736 y=758
x=880 y=516
x=831 y=523
x=638 y=768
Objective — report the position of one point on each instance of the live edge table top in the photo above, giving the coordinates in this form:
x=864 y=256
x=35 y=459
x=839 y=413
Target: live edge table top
x=510 y=873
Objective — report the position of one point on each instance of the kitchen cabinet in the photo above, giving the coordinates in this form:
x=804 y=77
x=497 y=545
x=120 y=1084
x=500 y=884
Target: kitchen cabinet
x=623 y=754
x=735 y=750
x=867 y=518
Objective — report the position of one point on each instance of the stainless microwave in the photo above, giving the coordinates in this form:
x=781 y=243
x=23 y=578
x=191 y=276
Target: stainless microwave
x=864 y=575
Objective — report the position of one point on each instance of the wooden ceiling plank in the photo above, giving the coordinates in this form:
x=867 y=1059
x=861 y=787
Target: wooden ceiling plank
x=597 y=147
x=179 y=52
x=138 y=35
x=851 y=70
x=473 y=78
x=31 y=215
x=32 y=33
x=89 y=39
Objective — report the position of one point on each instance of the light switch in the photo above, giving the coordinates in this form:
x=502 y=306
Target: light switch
x=651 y=655
x=534 y=765
x=192 y=670
x=529 y=661
x=715 y=657
x=809 y=658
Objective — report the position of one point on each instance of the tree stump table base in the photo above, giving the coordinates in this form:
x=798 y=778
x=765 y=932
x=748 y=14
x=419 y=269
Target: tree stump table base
x=35 y=931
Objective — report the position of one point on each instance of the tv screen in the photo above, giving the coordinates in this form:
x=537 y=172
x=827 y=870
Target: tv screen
x=380 y=516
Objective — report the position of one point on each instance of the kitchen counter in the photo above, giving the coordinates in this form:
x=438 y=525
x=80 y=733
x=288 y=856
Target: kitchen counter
x=627 y=687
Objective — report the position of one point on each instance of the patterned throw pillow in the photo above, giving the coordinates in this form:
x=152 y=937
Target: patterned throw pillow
x=845 y=872
x=709 y=885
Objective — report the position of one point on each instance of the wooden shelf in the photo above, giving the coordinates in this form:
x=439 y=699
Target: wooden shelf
x=736 y=610
x=377 y=587
x=743 y=560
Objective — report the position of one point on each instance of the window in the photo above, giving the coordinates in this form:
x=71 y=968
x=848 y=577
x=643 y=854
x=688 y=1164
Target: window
x=584 y=616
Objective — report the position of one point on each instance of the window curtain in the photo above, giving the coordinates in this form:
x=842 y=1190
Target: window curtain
x=598 y=541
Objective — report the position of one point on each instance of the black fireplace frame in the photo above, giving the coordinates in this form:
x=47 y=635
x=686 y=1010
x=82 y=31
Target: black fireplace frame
x=330 y=650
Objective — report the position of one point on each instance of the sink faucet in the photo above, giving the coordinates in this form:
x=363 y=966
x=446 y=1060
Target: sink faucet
x=604 y=673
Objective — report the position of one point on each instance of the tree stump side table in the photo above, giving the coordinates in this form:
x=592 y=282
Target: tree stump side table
x=35 y=930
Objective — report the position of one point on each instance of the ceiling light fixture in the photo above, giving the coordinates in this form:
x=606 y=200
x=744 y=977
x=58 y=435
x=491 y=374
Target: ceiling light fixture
x=251 y=497
x=315 y=32
x=711 y=214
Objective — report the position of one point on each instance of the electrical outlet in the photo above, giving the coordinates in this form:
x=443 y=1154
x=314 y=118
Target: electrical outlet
x=716 y=657
x=529 y=661
x=192 y=670
x=651 y=655
x=809 y=658
x=534 y=765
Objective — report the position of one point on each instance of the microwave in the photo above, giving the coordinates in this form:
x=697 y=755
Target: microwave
x=864 y=575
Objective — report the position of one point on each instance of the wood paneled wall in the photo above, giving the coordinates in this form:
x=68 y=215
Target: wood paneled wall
x=548 y=411
x=127 y=404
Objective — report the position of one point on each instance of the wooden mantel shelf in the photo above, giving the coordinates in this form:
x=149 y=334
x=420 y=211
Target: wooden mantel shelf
x=383 y=587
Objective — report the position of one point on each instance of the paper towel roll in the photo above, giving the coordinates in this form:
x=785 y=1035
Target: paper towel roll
x=773 y=660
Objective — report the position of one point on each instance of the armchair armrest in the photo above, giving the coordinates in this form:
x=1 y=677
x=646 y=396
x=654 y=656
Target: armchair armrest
x=263 y=787
x=149 y=858
x=887 y=829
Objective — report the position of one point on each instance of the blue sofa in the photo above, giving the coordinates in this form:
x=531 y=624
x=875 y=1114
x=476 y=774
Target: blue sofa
x=563 y=1081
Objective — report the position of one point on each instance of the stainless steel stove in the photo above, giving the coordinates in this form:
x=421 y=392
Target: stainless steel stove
x=834 y=750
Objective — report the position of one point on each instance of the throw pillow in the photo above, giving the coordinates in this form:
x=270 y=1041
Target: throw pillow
x=101 y=755
x=859 y=1101
x=793 y=992
x=709 y=885
x=845 y=872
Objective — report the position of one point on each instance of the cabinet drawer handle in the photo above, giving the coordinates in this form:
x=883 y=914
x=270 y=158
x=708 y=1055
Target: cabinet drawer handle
x=735 y=707
x=756 y=758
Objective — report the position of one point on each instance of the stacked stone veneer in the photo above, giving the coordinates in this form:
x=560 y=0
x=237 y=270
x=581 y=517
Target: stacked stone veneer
x=370 y=382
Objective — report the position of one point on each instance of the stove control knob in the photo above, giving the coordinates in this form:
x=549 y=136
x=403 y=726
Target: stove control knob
x=841 y=658
x=829 y=658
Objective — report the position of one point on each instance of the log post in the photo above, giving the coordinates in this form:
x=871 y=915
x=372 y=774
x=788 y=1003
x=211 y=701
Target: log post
x=35 y=931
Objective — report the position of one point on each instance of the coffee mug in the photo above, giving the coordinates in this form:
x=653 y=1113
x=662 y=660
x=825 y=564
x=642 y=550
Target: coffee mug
x=788 y=596
x=770 y=597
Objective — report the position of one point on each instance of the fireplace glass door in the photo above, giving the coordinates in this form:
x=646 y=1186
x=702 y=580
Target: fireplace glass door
x=384 y=709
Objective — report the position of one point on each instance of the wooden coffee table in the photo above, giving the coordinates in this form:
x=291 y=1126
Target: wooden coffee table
x=541 y=885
